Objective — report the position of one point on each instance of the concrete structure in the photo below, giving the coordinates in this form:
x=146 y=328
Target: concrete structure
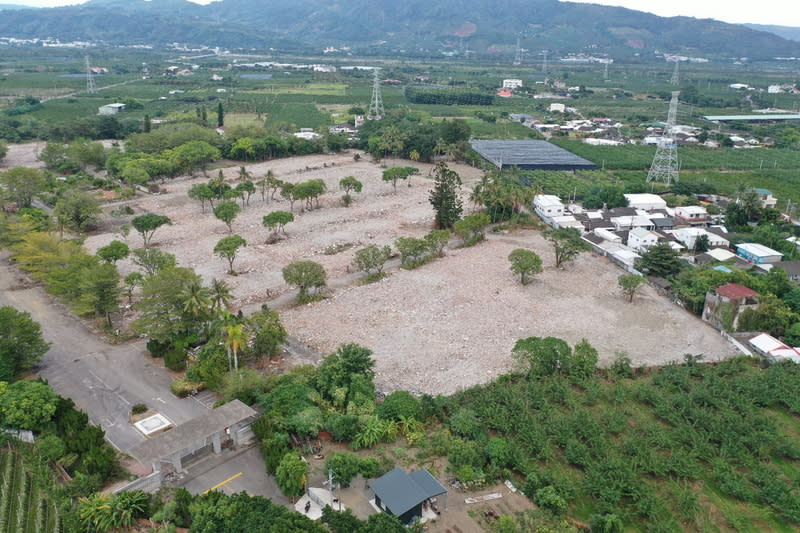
x=689 y=236
x=227 y=424
x=758 y=253
x=641 y=239
x=720 y=254
x=315 y=500
x=407 y=494
x=110 y=109
x=767 y=200
x=630 y=222
x=548 y=205
x=773 y=349
x=646 y=201
x=724 y=306
x=512 y=84
x=557 y=107
x=691 y=215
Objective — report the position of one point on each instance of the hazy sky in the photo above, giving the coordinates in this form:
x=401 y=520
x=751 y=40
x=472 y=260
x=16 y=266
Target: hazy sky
x=780 y=12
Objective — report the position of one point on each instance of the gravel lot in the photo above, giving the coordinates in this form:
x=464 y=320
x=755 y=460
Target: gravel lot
x=445 y=326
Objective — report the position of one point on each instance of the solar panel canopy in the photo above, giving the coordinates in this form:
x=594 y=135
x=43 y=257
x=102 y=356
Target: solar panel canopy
x=530 y=155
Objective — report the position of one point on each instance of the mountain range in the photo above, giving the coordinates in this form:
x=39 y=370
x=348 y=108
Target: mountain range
x=415 y=27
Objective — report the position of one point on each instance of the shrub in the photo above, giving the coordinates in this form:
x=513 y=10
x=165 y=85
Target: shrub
x=399 y=404
x=157 y=348
x=465 y=452
x=138 y=409
x=183 y=387
x=342 y=427
x=549 y=498
x=175 y=359
x=466 y=424
x=370 y=468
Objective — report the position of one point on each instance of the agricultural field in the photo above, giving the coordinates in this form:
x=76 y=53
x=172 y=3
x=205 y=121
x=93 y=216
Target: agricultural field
x=24 y=505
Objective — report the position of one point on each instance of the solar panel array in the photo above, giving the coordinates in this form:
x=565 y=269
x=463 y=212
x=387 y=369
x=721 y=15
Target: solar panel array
x=530 y=155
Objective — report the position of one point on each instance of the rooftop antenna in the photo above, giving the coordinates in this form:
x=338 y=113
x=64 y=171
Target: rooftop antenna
x=518 y=54
x=376 y=110
x=676 y=78
x=665 y=162
x=90 y=88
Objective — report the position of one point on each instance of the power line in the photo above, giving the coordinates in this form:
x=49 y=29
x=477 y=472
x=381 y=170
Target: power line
x=376 y=110
x=665 y=163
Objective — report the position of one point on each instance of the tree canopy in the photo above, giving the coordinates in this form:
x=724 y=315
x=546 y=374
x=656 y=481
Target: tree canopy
x=147 y=225
x=21 y=342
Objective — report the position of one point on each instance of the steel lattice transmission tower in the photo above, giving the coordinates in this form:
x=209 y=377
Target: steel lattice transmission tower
x=676 y=78
x=665 y=162
x=518 y=54
x=376 y=110
x=90 y=88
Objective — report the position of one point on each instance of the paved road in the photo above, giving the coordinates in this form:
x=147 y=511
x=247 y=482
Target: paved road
x=233 y=472
x=102 y=379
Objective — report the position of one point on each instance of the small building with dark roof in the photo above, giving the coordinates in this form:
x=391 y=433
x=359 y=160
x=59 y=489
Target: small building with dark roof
x=402 y=494
x=529 y=155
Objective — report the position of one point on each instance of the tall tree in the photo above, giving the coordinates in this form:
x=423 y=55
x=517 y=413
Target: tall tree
x=21 y=342
x=220 y=115
x=525 y=263
x=445 y=197
x=276 y=222
x=567 y=244
x=221 y=296
x=101 y=290
x=203 y=193
x=27 y=404
x=162 y=314
x=629 y=284
x=76 y=211
x=113 y=251
x=267 y=332
x=22 y=184
x=228 y=247
x=660 y=260
x=304 y=275
x=227 y=213
x=147 y=225
x=151 y=261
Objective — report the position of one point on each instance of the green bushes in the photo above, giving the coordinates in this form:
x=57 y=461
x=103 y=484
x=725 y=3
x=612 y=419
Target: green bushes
x=399 y=404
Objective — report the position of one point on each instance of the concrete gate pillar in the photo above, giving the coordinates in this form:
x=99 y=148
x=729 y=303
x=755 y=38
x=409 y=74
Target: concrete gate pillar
x=176 y=461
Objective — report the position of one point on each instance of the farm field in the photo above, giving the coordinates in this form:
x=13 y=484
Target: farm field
x=429 y=328
x=24 y=505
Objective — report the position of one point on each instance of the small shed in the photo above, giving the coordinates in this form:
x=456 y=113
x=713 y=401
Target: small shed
x=110 y=109
x=406 y=494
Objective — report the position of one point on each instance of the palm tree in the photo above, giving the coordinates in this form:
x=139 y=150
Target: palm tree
x=221 y=296
x=244 y=175
x=196 y=299
x=235 y=337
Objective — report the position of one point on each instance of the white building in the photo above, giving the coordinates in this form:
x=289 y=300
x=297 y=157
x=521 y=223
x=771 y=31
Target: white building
x=548 y=205
x=641 y=239
x=110 y=109
x=645 y=201
x=630 y=222
x=689 y=236
x=556 y=107
x=773 y=349
x=691 y=214
x=512 y=84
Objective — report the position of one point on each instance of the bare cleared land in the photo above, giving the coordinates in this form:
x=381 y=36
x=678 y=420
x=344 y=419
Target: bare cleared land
x=444 y=326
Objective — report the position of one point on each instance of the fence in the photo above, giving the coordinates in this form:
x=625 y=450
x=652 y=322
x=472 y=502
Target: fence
x=150 y=483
